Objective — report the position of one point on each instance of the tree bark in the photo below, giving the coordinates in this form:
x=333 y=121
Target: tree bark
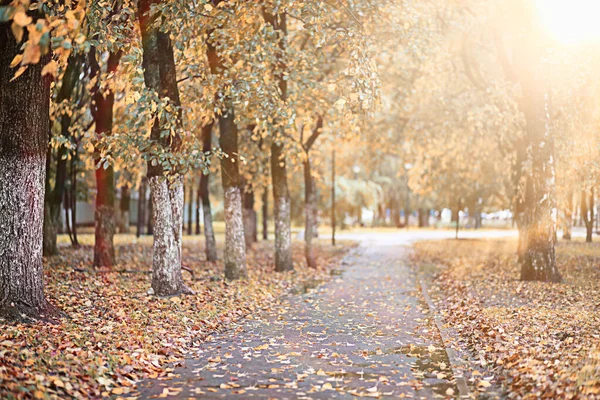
x=204 y=193
x=141 y=217
x=539 y=260
x=199 y=207
x=124 y=205
x=587 y=213
x=265 y=214
x=24 y=127
x=310 y=199
x=333 y=221
x=235 y=245
x=54 y=196
x=281 y=194
x=167 y=194
x=191 y=207
x=104 y=215
x=250 y=229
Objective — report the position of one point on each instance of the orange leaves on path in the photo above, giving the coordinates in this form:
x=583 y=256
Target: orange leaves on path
x=535 y=339
x=117 y=334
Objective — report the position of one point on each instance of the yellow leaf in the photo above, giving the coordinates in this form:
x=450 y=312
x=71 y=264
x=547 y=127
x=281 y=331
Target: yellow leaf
x=16 y=61
x=19 y=72
x=262 y=347
x=50 y=68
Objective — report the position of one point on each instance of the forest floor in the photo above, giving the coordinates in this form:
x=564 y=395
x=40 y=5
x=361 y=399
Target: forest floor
x=534 y=340
x=117 y=335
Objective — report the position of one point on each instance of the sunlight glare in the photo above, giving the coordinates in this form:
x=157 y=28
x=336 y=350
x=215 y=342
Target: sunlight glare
x=571 y=21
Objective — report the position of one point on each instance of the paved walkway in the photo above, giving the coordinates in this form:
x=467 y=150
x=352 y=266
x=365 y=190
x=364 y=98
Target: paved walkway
x=364 y=333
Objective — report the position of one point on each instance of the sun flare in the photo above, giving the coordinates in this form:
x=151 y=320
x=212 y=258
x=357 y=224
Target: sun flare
x=571 y=22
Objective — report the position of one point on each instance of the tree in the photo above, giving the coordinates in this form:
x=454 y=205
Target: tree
x=54 y=195
x=166 y=190
x=103 y=98
x=24 y=126
x=281 y=194
x=203 y=191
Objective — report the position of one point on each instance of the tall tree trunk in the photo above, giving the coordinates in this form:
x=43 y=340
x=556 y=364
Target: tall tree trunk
x=104 y=215
x=310 y=204
x=249 y=214
x=587 y=213
x=333 y=221
x=204 y=192
x=167 y=195
x=458 y=208
x=281 y=194
x=199 y=206
x=265 y=214
x=124 y=204
x=149 y=215
x=191 y=206
x=24 y=127
x=54 y=196
x=538 y=261
x=73 y=197
x=141 y=217
x=235 y=246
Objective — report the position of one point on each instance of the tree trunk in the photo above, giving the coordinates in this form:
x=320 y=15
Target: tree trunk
x=333 y=221
x=104 y=215
x=73 y=197
x=209 y=233
x=250 y=230
x=199 y=206
x=149 y=216
x=281 y=214
x=281 y=194
x=265 y=214
x=458 y=208
x=124 y=205
x=54 y=196
x=587 y=213
x=539 y=261
x=191 y=207
x=141 y=217
x=24 y=127
x=167 y=194
x=310 y=204
x=235 y=246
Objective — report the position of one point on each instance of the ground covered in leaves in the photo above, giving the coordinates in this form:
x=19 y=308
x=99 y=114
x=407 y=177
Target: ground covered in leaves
x=533 y=340
x=117 y=334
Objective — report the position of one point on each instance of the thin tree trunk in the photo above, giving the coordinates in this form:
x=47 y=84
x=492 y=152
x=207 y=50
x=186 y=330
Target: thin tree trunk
x=124 y=205
x=333 y=221
x=249 y=215
x=74 y=160
x=149 y=215
x=104 y=215
x=265 y=214
x=141 y=217
x=167 y=195
x=54 y=196
x=310 y=199
x=24 y=127
x=199 y=206
x=458 y=208
x=587 y=213
x=191 y=207
x=204 y=192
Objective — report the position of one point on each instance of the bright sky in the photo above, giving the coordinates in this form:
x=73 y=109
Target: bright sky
x=571 y=22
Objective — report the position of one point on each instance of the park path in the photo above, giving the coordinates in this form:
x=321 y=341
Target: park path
x=367 y=332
